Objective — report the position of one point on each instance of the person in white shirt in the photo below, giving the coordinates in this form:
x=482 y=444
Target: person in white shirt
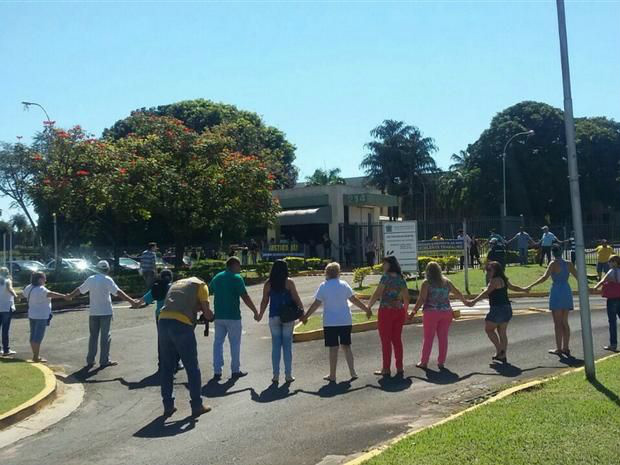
x=39 y=311
x=335 y=294
x=7 y=307
x=100 y=287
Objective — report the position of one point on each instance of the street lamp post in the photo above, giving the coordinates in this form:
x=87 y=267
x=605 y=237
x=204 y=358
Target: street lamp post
x=575 y=197
x=524 y=133
x=35 y=104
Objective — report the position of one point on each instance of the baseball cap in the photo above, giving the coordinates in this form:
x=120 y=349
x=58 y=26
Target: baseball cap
x=103 y=265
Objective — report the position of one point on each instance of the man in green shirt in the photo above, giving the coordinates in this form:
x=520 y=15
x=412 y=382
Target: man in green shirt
x=228 y=289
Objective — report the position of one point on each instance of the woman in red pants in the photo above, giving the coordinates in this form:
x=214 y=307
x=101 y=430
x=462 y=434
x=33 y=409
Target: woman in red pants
x=393 y=297
x=435 y=299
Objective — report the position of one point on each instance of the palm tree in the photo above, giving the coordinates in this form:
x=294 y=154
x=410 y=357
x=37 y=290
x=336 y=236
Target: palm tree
x=321 y=177
x=453 y=184
x=397 y=160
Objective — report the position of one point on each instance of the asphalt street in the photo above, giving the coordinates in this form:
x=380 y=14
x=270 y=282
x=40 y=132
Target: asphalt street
x=254 y=422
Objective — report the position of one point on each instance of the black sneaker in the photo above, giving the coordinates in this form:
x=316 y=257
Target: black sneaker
x=217 y=376
x=239 y=374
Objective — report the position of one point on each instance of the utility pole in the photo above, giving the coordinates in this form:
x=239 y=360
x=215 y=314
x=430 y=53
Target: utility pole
x=575 y=197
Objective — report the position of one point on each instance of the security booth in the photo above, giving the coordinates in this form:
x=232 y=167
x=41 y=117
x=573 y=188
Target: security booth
x=343 y=215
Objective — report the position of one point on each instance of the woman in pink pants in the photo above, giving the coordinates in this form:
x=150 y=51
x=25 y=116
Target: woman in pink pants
x=435 y=299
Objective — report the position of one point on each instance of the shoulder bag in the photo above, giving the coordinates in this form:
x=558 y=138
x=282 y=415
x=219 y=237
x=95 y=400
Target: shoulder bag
x=611 y=289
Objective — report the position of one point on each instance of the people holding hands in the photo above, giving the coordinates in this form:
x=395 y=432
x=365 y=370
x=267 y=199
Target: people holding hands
x=500 y=309
x=393 y=294
x=434 y=298
x=335 y=294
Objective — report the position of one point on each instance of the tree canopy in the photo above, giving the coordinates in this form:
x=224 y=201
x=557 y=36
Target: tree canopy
x=322 y=177
x=240 y=131
x=397 y=159
x=536 y=166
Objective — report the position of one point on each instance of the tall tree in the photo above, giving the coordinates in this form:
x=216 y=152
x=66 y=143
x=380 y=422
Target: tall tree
x=241 y=131
x=536 y=166
x=397 y=160
x=15 y=177
x=322 y=177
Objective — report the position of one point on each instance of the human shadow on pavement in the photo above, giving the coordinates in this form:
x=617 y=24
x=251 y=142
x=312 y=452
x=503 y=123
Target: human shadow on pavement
x=600 y=387
x=272 y=393
x=161 y=428
x=507 y=369
x=443 y=376
x=393 y=384
x=333 y=389
x=149 y=381
x=214 y=388
x=82 y=375
x=571 y=361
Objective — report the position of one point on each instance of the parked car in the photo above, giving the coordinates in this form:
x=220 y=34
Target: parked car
x=25 y=266
x=128 y=264
x=78 y=265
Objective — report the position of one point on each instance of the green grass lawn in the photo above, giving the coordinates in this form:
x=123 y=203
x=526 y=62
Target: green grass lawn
x=518 y=275
x=567 y=421
x=19 y=381
x=316 y=321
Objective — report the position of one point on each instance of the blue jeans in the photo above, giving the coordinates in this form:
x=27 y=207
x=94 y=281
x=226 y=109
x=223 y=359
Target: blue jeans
x=281 y=343
x=523 y=256
x=232 y=329
x=178 y=338
x=99 y=328
x=5 y=323
x=613 y=312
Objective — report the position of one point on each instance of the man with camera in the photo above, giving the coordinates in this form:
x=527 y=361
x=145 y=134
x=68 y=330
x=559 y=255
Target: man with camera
x=177 y=320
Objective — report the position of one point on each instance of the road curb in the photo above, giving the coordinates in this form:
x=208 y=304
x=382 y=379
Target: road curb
x=36 y=403
x=317 y=334
x=500 y=395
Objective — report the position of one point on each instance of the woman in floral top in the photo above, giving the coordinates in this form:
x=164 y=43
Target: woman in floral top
x=393 y=295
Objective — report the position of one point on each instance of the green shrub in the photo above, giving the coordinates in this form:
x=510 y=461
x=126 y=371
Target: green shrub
x=377 y=269
x=452 y=263
x=314 y=264
x=295 y=264
x=359 y=274
x=263 y=268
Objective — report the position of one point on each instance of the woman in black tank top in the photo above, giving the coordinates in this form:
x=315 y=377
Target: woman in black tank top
x=500 y=310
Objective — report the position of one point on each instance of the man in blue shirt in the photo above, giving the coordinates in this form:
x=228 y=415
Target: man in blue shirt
x=523 y=240
x=546 y=241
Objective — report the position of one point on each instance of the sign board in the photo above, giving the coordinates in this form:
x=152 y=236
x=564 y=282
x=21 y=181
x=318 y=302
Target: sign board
x=400 y=239
x=442 y=248
x=282 y=250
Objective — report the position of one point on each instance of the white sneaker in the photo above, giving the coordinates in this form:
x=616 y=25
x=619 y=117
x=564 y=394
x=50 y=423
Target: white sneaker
x=8 y=352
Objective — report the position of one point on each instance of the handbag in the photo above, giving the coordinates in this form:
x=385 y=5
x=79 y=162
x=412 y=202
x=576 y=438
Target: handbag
x=611 y=289
x=290 y=311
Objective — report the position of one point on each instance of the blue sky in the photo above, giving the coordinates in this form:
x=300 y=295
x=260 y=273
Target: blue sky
x=325 y=73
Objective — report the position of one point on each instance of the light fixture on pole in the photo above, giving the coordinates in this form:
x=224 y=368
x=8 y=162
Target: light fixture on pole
x=27 y=105
x=575 y=198
x=524 y=133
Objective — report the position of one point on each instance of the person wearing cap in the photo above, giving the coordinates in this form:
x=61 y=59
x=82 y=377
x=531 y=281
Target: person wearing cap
x=99 y=288
x=546 y=242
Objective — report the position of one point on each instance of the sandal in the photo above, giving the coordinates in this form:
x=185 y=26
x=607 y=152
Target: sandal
x=555 y=352
x=421 y=365
x=382 y=373
x=329 y=378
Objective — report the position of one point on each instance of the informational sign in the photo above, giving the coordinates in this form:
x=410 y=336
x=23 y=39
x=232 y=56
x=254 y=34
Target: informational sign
x=400 y=239
x=281 y=250
x=442 y=248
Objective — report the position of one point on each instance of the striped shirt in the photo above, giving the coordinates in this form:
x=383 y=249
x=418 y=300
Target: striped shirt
x=148 y=261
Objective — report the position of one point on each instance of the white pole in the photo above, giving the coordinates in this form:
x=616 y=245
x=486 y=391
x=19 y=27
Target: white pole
x=573 y=176
x=466 y=255
x=4 y=249
x=11 y=251
x=56 y=266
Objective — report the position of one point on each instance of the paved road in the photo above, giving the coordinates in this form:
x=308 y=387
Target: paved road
x=254 y=423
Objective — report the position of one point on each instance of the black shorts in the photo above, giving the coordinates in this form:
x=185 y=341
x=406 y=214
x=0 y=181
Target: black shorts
x=337 y=335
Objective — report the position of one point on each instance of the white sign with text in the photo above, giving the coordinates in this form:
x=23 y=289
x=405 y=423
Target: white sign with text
x=400 y=239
